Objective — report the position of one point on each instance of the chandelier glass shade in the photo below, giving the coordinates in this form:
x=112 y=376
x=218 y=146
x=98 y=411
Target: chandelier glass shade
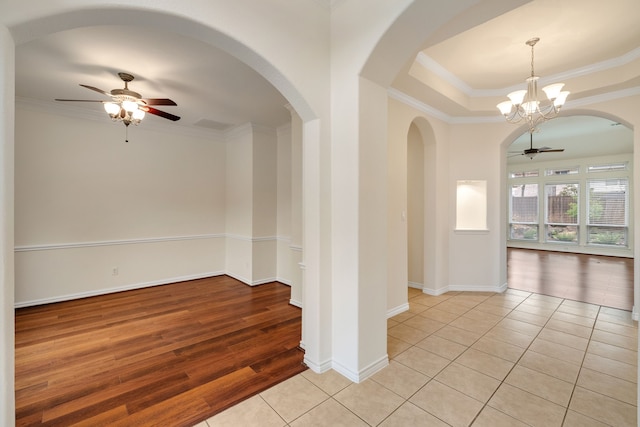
x=126 y=111
x=526 y=105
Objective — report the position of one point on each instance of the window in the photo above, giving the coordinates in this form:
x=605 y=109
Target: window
x=523 y=174
x=562 y=208
x=562 y=171
x=610 y=167
x=580 y=206
x=523 y=221
x=607 y=204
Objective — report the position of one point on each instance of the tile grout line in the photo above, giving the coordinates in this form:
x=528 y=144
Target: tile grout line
x=573 y=390
x=516 y=362
x=468 y=347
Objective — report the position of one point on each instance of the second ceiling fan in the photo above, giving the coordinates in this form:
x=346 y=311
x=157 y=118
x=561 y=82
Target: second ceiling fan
x=531 y=152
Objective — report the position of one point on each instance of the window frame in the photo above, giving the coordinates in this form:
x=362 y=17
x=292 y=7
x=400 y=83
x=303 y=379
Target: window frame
x=589 y=169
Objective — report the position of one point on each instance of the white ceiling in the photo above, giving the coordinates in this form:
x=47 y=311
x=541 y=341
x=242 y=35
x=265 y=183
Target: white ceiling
x=579 y=136
x=212 y=89
x=593 y=45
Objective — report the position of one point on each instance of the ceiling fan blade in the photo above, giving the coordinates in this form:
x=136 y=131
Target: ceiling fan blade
x=550 y=150
x=164 y=114
x=158 y=101
x=79 y=100
x=96 y=89
x=515 y=154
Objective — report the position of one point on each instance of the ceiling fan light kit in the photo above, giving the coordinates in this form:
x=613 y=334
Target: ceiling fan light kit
x=526 y=105
x=128 y=106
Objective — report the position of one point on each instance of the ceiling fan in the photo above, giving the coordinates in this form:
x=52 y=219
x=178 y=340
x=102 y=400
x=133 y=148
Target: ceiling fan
x=128 y=106
x=532 y=152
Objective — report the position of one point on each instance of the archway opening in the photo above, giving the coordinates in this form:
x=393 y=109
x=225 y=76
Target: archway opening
x=569 y=213
x=421 y=206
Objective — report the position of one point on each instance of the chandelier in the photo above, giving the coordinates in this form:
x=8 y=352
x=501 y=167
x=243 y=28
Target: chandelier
x=525 y=105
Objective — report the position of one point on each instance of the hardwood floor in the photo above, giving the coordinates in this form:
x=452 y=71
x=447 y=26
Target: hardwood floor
x=169 y=355
x=602 y=280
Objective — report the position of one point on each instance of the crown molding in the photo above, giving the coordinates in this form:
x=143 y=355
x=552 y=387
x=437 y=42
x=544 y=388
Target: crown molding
x=430 y=64
x=434 y=112
x=433 y=66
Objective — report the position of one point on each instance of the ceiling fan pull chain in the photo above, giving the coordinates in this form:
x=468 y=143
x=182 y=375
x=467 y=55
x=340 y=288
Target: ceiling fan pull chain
x=126 y=134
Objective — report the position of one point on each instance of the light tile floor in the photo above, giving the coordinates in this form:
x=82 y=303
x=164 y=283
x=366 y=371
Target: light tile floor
x=481 y=359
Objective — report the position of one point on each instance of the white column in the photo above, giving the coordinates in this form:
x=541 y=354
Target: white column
x=7 y=339
x=316 y=242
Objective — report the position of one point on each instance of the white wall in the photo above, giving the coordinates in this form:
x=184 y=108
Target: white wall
x=97 y=214
x=476 y=155
x=252 y=204
x=265 y=199
x=197 y=208
x=88 y=203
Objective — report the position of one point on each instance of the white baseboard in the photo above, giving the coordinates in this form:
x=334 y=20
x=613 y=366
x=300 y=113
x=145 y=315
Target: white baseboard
x=133 y=286
x=263 y=281
x=465 y=288
x=239 y=278
x=634 y=314
x=318 y=368
x=295 y=303
x=397 y=310
x=363 y=374
x=130 y=287
x=474 y=288
x=435 y=292
x=252 y=282
x=416 y=285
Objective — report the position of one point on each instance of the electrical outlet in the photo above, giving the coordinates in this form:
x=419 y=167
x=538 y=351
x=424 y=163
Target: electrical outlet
x=114 y=271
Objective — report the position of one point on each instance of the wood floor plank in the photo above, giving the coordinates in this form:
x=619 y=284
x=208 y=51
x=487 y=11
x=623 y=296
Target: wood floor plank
x=167 y=355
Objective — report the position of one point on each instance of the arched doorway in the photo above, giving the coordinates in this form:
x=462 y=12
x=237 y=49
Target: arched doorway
x=204 y=33
x=573 y=207
x=422 y=239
